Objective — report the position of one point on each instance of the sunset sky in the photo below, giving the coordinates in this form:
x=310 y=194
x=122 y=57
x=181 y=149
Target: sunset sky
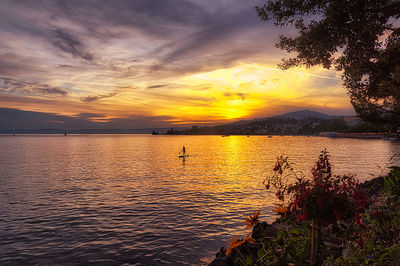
x=140 y=64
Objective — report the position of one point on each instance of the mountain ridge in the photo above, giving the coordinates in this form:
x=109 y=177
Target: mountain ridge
x=302 y=114
x=297 y=115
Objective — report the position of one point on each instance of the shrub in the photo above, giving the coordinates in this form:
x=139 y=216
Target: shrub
x=324 y=198
x=392 y=181
x=375 y=235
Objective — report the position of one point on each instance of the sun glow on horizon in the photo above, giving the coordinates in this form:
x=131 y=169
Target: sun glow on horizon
x=243 y=90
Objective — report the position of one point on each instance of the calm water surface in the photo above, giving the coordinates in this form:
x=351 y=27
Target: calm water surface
x=128 y=199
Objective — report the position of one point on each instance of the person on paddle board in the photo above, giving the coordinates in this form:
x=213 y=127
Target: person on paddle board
x=184 y=151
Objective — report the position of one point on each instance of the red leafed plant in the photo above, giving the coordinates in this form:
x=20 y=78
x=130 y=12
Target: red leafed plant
x=324 y=198
x=283 y=171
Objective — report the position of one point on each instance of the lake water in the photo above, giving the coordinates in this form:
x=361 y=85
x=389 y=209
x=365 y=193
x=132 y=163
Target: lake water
x=128 y=199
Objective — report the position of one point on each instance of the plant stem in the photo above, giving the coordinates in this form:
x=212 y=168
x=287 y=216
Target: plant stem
x=315 y=240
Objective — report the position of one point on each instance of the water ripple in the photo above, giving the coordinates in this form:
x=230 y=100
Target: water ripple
x=128 y=200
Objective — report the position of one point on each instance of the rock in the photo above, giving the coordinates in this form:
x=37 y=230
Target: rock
x=219 y=262
x=221 y=253
x=220 y=258
x=260 y=231
x=373 y=186
x=264 y=229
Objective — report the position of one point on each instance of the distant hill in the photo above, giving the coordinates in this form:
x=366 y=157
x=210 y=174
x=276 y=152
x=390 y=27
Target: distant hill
x=299 y=115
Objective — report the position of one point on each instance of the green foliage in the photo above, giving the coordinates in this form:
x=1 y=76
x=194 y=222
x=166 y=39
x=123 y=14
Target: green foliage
x=373 y=241
x=290 y=245
x=392 y=182
x=359 y=38
x=294 y=245
x=375 y=237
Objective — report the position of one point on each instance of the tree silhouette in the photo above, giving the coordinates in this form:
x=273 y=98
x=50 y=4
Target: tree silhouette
x=359 y=38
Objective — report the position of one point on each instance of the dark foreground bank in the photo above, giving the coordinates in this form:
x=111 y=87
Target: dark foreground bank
x=372 y=237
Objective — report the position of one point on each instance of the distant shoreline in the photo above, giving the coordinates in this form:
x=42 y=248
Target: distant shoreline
x=322 y=134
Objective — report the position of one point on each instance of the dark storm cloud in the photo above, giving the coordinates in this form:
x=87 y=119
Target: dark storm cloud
x=65 y=66
x=240 y=95
x=139 y=121
x=94 y=98
x=19 y=119
x=216 y=33
x=188 y=28
x=98 y=97
x=101 y=19
x=68 y=43
x=51 y=90
x=151 y=16
x=89 y=115
x=16 y=86
x=157 y=86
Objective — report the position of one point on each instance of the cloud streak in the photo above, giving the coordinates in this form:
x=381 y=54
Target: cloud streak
x=70 y=44
x=14 y=86
x=94 y=98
